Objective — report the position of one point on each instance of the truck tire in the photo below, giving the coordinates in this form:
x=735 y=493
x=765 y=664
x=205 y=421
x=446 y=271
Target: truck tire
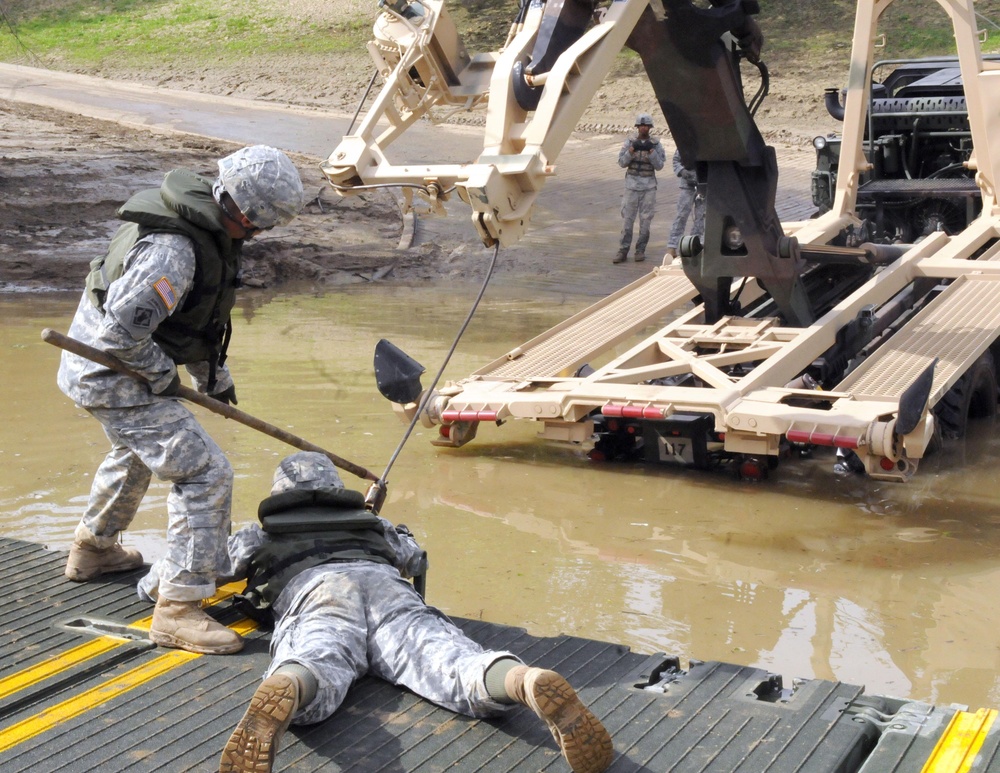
x=973 y=396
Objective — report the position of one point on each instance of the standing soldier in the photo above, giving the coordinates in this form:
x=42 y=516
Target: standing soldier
x=161 y=298
x=689 y=199
x=641 y=156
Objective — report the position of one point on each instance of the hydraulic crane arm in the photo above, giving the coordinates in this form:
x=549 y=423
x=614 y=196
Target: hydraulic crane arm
x=431 y=70
x=534 y=89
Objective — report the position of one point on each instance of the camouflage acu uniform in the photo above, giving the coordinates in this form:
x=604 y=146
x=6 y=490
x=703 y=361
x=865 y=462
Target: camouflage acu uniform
x=151 y=434
x=162 y=296
x=347 y=619
x=639 y=198
x=344 y=619
x=689 y=199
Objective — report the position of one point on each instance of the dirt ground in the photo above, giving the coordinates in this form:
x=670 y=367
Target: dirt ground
x=794 y=109
x=63 y=176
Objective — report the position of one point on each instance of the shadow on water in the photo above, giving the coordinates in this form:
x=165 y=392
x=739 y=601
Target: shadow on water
x=806 y=574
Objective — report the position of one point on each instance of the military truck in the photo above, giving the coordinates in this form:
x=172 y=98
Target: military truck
x=769 y=336
x=918 y=142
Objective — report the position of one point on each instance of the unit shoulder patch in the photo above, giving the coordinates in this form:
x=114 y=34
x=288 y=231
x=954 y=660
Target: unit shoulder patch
x=142 y=317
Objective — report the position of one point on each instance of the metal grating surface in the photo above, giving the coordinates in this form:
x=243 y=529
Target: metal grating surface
x=710 y=720
x=902 y=749
x=928 y=186
x=595 y=328
x=955 y=327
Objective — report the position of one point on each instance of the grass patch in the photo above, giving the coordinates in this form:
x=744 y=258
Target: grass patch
x=152 y=33
x=136 y=33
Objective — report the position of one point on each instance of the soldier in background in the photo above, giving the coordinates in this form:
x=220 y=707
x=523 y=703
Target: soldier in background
x=161 y=297
x=690 y=198
x=641 y=156
x=330 y=575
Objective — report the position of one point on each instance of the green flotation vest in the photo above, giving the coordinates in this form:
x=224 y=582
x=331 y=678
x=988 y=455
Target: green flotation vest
x=307 y=529
x=199 y=330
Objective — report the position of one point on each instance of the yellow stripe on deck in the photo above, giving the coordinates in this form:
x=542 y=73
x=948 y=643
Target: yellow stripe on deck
x=956 y=750
x=92 y=698
x=97 y=696
x=56 y=665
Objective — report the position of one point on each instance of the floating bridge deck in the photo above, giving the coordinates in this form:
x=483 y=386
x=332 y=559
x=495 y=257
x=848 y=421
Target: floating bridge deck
x=570 y=344
x=83 y=689
x=967 y=306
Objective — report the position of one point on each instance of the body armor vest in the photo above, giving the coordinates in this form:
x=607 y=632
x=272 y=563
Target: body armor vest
x=641 y=168
x=307 y=529
x=198 y=330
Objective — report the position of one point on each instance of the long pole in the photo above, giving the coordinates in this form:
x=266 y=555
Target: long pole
x=205 y=401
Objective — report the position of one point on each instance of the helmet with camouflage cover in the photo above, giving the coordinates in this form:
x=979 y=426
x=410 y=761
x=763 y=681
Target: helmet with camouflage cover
x=264 y=183
x=644 y=119
x=305 y=471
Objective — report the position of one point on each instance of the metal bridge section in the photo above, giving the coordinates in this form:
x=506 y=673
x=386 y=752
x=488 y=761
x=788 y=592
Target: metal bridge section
x=566 y=347
x=737 y=361
x=645 y=354
x=82 y=688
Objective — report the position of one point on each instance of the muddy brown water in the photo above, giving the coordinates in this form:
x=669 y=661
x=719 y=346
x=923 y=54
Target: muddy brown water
x=887 y=585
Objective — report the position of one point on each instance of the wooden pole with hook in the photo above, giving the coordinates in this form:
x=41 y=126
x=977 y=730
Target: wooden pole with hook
x=205 y=401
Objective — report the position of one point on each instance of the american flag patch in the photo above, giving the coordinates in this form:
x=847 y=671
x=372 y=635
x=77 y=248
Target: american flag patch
x=166 y=292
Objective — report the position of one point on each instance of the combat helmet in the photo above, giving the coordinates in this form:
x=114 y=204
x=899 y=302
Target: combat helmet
x=305 y=471
x=644 y=119
x=264 y=183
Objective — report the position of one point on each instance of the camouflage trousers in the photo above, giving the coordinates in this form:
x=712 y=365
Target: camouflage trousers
x=687 y=201
x=641 y=204
x=165 y=440
x=346 y=620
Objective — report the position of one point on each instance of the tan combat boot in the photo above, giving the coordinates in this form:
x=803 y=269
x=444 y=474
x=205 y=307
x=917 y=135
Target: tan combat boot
x=88 y=563
x=184 y=625
x=254 y=743
x=621 y=256
x=640 y=256
x=582 y=738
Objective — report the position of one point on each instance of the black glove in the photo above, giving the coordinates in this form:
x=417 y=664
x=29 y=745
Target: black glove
x=171 y=388
x=638 y=145
x=750 y=40
x=227 y=396
x=401 y=528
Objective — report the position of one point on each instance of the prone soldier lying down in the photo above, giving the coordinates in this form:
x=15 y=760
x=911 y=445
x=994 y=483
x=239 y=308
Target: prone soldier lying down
x=333 y=578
